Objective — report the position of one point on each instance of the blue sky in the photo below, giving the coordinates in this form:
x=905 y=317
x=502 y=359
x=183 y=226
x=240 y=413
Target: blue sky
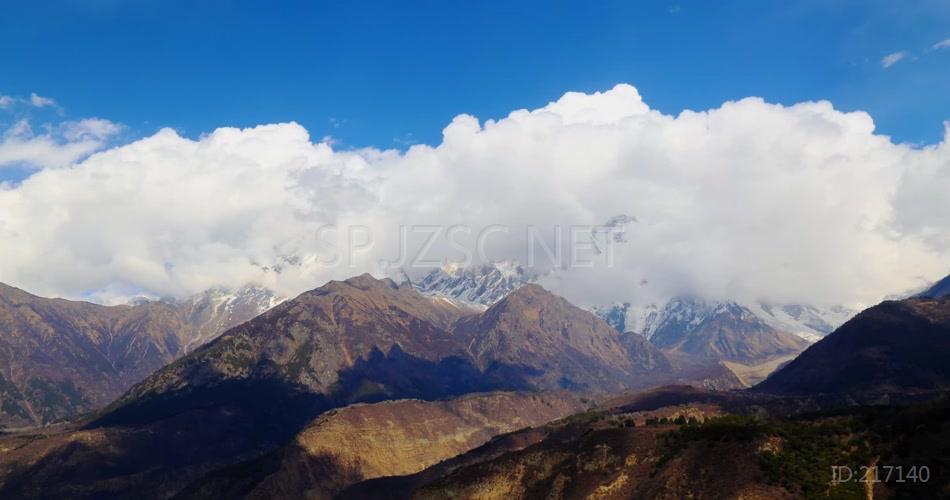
x=388 y=74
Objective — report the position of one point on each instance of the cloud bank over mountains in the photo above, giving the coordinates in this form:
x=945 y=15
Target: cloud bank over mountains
x=750 y=200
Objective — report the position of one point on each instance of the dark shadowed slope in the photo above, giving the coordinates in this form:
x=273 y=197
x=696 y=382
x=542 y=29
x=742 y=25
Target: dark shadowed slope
x=896 y=346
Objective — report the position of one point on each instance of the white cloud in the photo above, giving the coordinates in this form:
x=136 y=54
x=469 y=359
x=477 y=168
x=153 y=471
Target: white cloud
x=749 y=200
x=34 y=100
x=892 y=59
x=58 y=146
x=942 y=44
x=41 y=102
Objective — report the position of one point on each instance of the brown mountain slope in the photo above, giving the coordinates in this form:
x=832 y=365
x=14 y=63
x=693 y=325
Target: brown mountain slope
x=60 y=358
x=894 y=347
x=685 y=443
x=364 y=441
x=562 y=345
x=608 y=454
x=358 y=340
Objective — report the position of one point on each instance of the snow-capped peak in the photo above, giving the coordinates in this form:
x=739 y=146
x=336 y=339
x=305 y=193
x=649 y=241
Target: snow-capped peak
x=482 y=284
x=808 y=322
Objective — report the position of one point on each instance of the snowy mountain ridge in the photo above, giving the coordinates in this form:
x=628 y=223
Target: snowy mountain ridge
x=480 y=285
x=215 y=310
x=485 y=284
x=808 y=322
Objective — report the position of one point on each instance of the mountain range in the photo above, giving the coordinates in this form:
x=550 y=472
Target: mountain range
x=485 y=284
x=359 y=340
x=751 y=341
x=364 y=388
x=65 y=358
x=61 y=358
x=366 y=339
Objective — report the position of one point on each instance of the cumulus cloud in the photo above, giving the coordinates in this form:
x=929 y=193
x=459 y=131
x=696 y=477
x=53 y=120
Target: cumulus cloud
x=750 y=200
x=6 y=101
x=942 y=44
x=55 y=147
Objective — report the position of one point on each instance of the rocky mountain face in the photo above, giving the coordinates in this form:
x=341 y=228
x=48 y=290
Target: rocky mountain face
x=365 y=441
x=482 y=284
x=61 y=358
x=896 y=346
